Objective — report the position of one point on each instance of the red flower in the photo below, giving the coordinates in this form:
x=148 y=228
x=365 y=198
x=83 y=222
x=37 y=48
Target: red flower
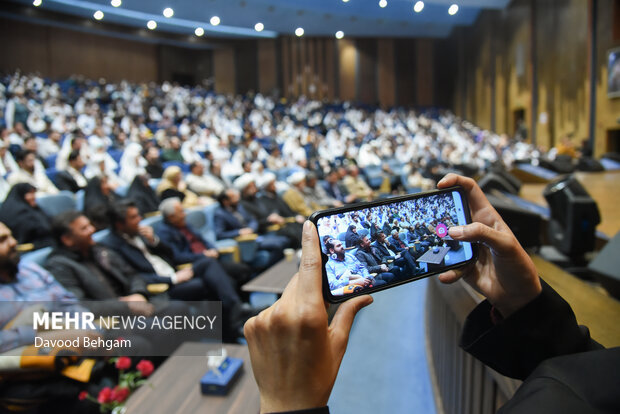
x=119 y=394
x=145 y=367
x=83 y=395
x=105 y=395
x=123 y=363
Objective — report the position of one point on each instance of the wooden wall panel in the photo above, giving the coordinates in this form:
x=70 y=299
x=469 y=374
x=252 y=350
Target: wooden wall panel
x=224 y=70
x=267 y=72
x=386 y=82
x=367 y=70
x=405 y=72
x=246 y=66
x=331 y=62
x=424 y=69
x=347 y=59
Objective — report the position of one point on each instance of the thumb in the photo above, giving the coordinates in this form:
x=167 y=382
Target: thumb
x=343 y=320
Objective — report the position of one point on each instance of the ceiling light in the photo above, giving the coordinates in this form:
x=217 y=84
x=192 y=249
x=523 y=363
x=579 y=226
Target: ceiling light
x=453 y=10
x=36 y=3
x=98 y=15
x=215 y=20
x=168 y=12
x=199 y=31
x=382 y=3
x=418 y=7
x=339 y=34
x=116 y=3
x=151 y=24
x=299 y=32
x=345 y=1
x=259 y=27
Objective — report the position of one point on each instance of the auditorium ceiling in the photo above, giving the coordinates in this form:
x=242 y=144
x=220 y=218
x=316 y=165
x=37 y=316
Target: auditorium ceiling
x=238 y=18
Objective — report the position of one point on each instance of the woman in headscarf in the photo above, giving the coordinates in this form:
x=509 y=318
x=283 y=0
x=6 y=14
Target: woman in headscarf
x=143 y=195
x=172 y=185
x=98 y=199
x=25 y=218
x=352 y=239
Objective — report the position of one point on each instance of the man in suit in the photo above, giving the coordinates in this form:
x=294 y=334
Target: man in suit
x=72 y=179
x=186 y=245
x=232 y=220
x=268 y=216
x=336 y=190
x=401 y=257
x=370 y=257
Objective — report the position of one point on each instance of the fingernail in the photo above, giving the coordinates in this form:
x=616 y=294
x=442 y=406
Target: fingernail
x=307 y=226
x=456 y=232
x=441 y=181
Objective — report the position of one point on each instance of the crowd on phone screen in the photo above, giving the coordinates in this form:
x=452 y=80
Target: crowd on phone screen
x=358 y=242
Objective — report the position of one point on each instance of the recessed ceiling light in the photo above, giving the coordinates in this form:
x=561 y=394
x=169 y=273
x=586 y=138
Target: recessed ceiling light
x=259 y=27
x=418 y=7
x=299 y=32
x=339 y=34
x=168 y=12
x=199 y=31
x=215 y=20
x=453 y=10
x=116 y=3
x=98 y=15
x=36 y=3
x=382 y=3
x=345 y=1
x=151 y=24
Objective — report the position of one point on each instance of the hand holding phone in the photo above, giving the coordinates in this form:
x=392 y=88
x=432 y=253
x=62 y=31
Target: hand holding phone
x=503 y=273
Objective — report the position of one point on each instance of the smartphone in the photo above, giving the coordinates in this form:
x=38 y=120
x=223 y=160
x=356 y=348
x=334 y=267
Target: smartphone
x=373 y=246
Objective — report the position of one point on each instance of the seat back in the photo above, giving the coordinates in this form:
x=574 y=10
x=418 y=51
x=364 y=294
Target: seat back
x=55 y=204
x=37 y=256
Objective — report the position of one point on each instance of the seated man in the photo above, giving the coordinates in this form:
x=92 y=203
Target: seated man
x=295 y=197
x=27 y=173
x=21 y=285
x=71 y=178
x=397 y=243
x=187 y=246
x=370 y=257
x=402 y=258
x=232 y=220
x=202 y=184
x=344 y=269
x=288 y=227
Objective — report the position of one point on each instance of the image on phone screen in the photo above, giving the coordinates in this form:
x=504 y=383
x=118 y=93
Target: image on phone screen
x=392 y=243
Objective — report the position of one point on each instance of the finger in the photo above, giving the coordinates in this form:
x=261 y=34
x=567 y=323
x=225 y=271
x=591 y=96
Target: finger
x=475 y=196
x=500 y=242
x=343 y=320
x=450 y=276
x=309 y=284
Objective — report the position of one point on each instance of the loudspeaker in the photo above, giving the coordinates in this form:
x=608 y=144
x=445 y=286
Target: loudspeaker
x=501 y=181
x=525 y=224
x=574 y=217
x=606 y=266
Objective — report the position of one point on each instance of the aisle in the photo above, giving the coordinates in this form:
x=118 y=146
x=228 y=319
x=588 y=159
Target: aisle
x=385 y=368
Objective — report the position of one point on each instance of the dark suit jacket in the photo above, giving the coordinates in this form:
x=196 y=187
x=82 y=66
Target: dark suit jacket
x=71 y=270
x=178 y=243
x=227 y=226
x=135 y=258
x=64 y=181
x=371 y=261
x=336 y=191
x=384 y=251
x=397 y=245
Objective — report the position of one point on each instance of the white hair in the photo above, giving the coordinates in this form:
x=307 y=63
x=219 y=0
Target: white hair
x=166 y=207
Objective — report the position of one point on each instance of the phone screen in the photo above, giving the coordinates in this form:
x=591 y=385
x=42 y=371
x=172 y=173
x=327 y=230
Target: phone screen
x=368 y=249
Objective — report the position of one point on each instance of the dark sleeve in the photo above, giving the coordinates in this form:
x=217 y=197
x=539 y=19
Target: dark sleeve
x=64 y=181
x=179 y=255
x=220 y=228
x=362 y=258
x=544 y=328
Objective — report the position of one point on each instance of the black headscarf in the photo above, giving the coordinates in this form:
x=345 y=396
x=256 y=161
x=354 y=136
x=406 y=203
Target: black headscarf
x=28 y=224
x=352 y=239
x=97 y=205
x=143 y=195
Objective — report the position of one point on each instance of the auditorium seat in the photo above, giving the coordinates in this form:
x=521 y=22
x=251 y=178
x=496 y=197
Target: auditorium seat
x=37 y=256
x=184 y=167
x=55 y=204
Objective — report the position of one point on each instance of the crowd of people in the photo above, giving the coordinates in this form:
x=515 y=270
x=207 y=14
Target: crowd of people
x=382 y=244
x=131 y=150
